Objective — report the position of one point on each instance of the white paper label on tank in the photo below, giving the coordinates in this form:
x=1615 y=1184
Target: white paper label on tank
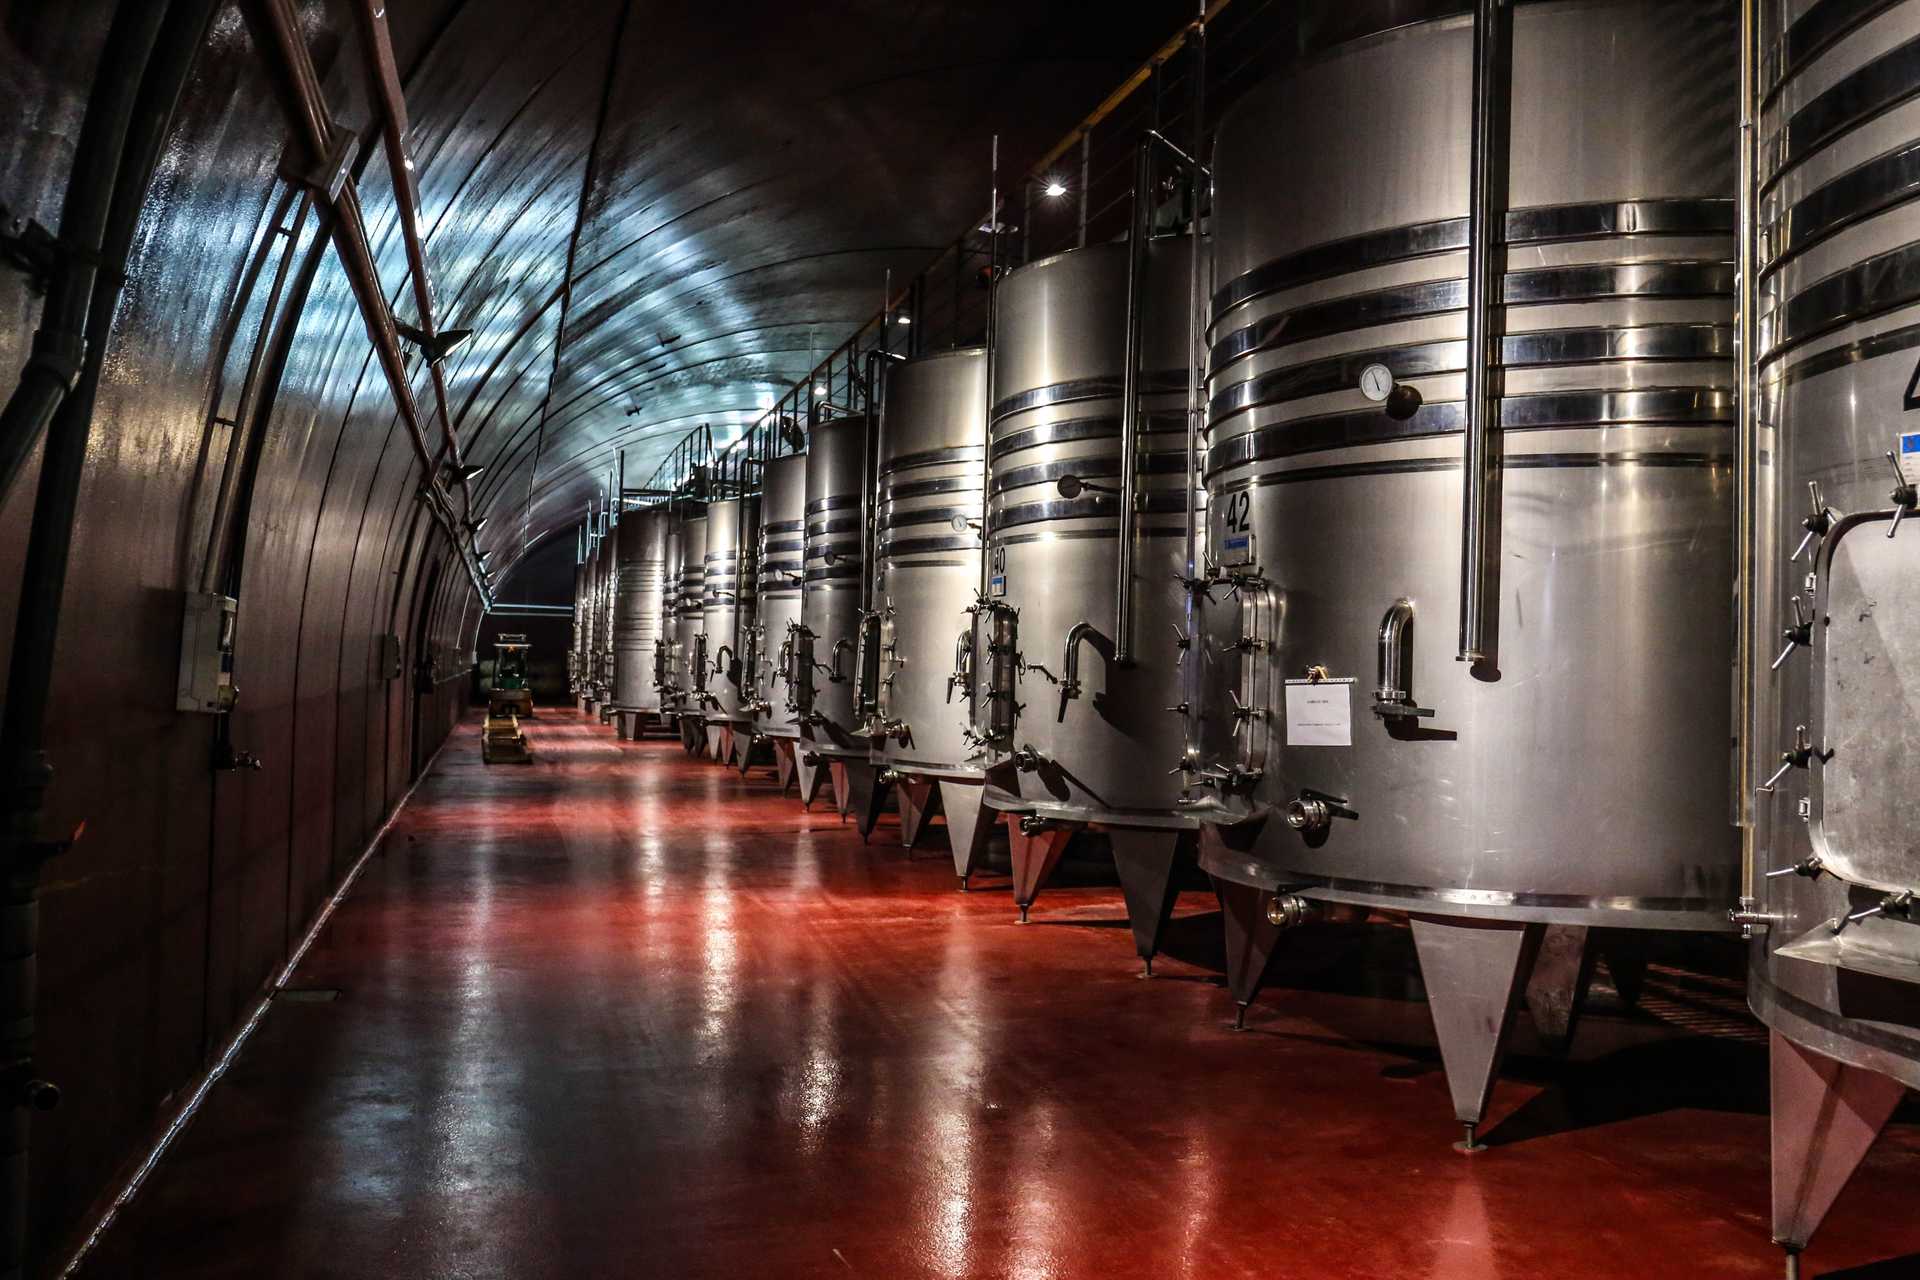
x=1908 y=452
x=1320 y=713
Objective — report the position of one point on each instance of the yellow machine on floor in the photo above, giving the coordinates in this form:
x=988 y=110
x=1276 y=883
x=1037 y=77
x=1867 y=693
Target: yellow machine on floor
x=503 y=741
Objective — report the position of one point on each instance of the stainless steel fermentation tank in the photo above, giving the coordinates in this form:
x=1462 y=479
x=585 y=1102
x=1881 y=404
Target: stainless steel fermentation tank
x=687 y=663
x=639 y=617
x=1091 y=731
x=726 y=610
x=1833 y=748
x=825 y=645
x=916 y=658
x=1575 y=775
x=783 y=506
x=576 y=655
x=606 y=573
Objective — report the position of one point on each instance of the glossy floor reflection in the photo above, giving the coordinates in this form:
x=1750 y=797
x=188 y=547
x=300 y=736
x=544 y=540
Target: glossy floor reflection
x=619 y=1013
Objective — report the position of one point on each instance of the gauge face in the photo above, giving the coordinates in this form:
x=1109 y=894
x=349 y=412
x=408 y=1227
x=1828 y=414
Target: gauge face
x=1376 y=382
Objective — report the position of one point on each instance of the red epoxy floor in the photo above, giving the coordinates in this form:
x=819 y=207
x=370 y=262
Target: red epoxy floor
x=622 y=1014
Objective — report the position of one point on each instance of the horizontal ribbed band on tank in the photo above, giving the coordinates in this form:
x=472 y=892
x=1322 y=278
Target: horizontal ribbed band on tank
x=826 y=526
x=895 y=491
x=1164 y=382
x=1523 y=226
x=1593 y=282
x=834 y=502
x=1882 y=283
x=890 y=548
x=1083 y=507
x=1086 y=467
x=1158 y=428
x=830 y=573
x=930 y=458
x=1676 y=406
x=780 y=526
x=1542 y=348
x=1814 y=31
x=1867 y=91
x=1879 y=184
x=1892 y=342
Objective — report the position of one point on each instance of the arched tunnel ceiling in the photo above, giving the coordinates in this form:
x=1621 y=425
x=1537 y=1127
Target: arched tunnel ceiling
x=758 y=172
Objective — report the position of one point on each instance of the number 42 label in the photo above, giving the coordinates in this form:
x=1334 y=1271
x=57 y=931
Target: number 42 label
x=1236 y=528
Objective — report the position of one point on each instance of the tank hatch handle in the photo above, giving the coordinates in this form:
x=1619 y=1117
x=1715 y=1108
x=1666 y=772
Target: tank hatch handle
x=1905 y=497
x=1393 y=699
x=961 y=677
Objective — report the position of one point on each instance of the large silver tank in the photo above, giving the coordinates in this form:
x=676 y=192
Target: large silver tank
x=783 y=507
x=638 y=609
x=1580 y=776
x=666 y=655
x=689 y=656
x=822 y=657
x=1106 y=753
x=1835 y=726
x=926 y=573
x=576 y=655
x=927 y=566
x=606 y=576
x=726 y=605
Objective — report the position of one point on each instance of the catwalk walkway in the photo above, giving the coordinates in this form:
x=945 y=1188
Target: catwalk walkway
x=624 y=1014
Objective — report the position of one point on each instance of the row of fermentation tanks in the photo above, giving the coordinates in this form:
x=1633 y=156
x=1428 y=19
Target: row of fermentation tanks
x=1495 y=520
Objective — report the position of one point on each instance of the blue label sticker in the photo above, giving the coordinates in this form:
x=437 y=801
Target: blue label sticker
x=1910 y=442
x=1239 y=542
x=997 y=584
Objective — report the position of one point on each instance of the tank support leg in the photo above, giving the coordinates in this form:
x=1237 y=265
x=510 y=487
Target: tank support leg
x=1826 y=1115
x=1035 y=855
x=742 y=750
x=917 y=799
x=808 y=767
x=1251 y=939
x=867 y=796
x=1557 y=989
x=1625 y=955
x=716 y=742
x=1147 y=860
x=783 y=763
x=963 y=805
x=1474 y=971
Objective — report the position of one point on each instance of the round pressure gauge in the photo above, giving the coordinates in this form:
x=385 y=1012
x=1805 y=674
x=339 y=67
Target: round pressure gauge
x=1376 y=382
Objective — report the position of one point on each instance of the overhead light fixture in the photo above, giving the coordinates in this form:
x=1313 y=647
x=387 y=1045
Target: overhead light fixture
x=819 y=390
x=903 y=319
x=460 y=475
x=475 y=526
x=1055 y=188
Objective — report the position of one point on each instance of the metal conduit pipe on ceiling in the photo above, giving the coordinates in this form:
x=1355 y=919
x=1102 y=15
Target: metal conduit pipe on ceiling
x=277 y=35
x=152 y=47
x=383 y=79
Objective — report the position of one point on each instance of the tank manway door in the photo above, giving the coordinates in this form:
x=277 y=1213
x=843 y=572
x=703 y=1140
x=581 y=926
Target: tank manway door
x=1865 y=722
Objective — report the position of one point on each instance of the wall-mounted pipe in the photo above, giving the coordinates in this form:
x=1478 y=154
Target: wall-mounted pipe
x=1487 y=189
x=59 y=343
x=1137 y=236
x=1747 y=472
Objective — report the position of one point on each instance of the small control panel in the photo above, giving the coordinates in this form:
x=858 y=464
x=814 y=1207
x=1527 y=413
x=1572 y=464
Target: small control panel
x=206 y=653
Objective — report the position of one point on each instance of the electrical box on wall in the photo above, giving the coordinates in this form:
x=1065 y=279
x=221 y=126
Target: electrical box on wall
x=390 y=662
x=206 y=653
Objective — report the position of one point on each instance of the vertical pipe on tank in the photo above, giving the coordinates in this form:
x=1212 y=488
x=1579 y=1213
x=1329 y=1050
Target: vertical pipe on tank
x=1746 y=458
x=1137 y=233
x=1487 y=179
x=993 y=285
